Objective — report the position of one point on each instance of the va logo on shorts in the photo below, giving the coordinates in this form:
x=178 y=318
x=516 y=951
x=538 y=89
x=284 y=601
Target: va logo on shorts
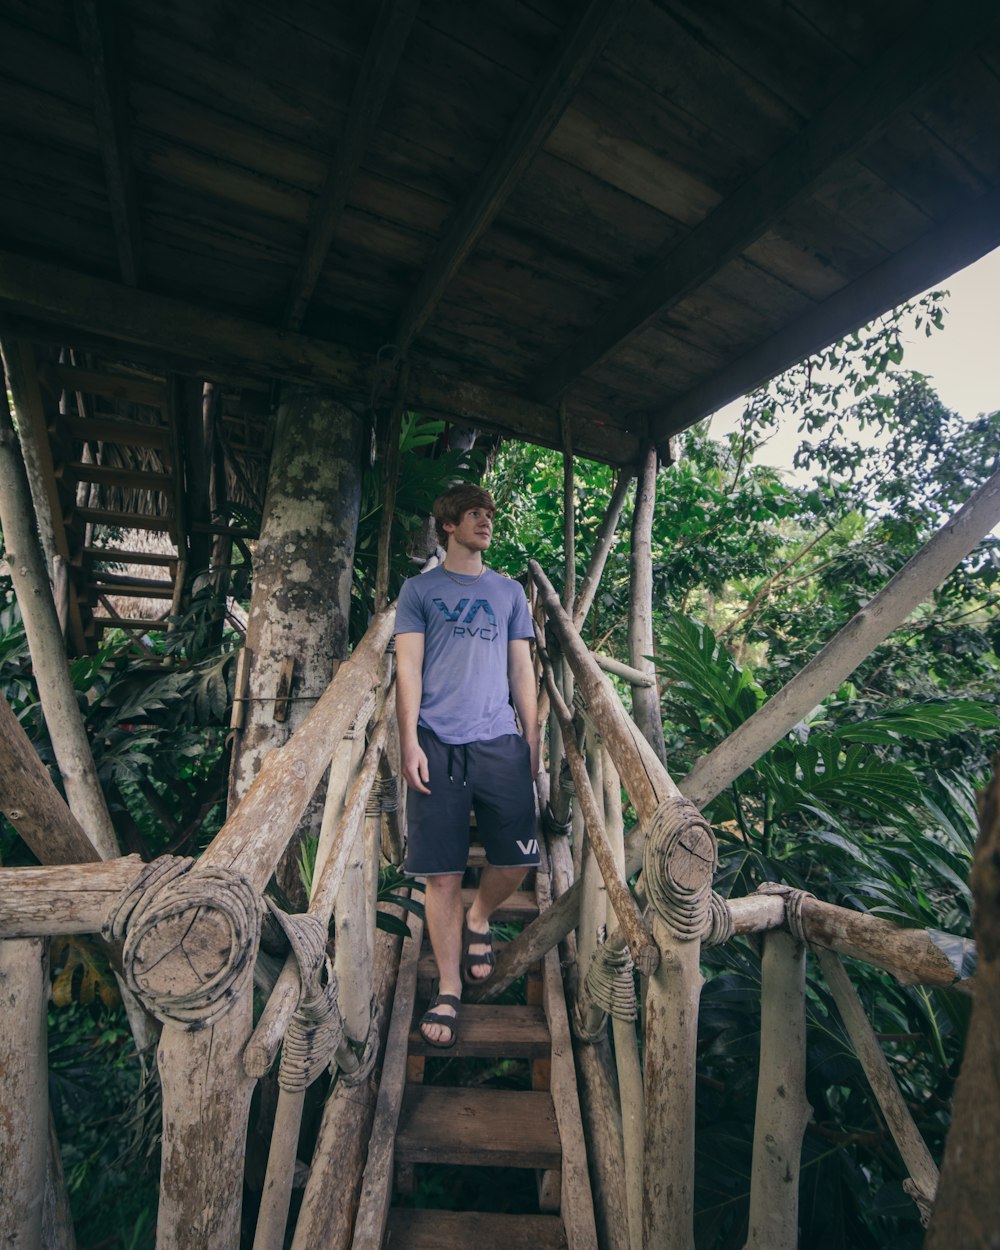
x=528 y=848
x=466 y=628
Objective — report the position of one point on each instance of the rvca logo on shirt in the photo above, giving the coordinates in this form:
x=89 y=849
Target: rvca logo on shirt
x=487 y=632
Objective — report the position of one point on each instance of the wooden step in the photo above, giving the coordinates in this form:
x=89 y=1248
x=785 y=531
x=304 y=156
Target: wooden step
x=111 y=475
x=427 y=971
x=492 y=1031
x=478 y=1128
x=465 y=1230
x=518 y=909
x=121 y=520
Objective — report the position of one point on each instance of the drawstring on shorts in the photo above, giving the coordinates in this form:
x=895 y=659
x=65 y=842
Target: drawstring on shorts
x=463 y=747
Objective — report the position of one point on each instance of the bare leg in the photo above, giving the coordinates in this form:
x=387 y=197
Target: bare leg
x=495 y=886
x=443 y=909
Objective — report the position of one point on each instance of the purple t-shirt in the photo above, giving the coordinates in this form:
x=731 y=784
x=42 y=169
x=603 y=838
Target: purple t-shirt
x=467 y=623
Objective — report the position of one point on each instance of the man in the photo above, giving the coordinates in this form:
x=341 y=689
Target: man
x=462 y=657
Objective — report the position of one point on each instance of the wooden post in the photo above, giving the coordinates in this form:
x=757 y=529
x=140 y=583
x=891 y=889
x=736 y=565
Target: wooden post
x=35 y=902
x=645 y=700
x=569 y=510
x=24 y=1094
x=629 y=1067
x=782 y=1108
x=206 y=1106
x=351 y=912
x=391 y=462
x=669 y=1060
x=594 y=908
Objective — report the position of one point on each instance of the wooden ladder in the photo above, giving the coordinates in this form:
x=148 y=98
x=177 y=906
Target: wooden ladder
x=457 y=1126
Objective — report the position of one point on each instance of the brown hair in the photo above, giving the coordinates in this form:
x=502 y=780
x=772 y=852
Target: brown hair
x=455 y=502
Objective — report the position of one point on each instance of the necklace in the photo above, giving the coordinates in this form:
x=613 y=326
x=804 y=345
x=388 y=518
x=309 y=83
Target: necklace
x=460 y=579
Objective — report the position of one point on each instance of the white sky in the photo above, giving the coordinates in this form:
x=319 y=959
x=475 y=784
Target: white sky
x=962 y=360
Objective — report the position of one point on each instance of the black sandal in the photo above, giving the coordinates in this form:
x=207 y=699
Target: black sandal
x=431 y=1016
x=487 y=959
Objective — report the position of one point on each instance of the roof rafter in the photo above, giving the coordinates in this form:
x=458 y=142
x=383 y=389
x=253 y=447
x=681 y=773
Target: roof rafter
x=38 y=300
x=375 y=75
x=585 y=39
x=841 y=129
x=962 y=239
x=95 y=23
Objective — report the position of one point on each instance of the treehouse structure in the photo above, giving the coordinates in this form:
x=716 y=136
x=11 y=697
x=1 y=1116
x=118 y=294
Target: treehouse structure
x=238 y=242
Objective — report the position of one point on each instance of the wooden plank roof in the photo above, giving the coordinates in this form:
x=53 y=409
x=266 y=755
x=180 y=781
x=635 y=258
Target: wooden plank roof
x=640 y=207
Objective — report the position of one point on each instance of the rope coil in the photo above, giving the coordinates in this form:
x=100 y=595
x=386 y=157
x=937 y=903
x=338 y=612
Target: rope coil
x=611 y=984
x=679 y=858
x=561 y=828
x=383 y=797
x=214 y=945
x=720 y=926
x=793 y=905
x=314 y=1035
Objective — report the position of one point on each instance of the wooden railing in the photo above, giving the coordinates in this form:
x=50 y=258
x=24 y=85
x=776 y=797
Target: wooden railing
x=660 y=928
x=188 y=938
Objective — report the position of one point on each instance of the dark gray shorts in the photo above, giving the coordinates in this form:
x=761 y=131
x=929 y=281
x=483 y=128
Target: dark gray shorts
x=493 y=778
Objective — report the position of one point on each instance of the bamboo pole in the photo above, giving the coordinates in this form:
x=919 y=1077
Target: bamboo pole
x=645 y=699
x=594 y=907
x=24 y=1097
x=923 y=1180
x=914 y=583
x=391 y=482
x=669 y=1060
x=351 y=917
x=624 y=671
x=602 y=548
x=45 y=641
x=782 y=1108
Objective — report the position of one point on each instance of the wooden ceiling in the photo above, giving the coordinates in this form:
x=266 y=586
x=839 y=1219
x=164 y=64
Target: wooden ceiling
x=641 y=208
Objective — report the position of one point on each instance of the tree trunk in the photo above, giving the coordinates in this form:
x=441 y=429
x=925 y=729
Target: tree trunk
x=645 y=699
x=967 y=1211
x=48 y=652
x=302 y=583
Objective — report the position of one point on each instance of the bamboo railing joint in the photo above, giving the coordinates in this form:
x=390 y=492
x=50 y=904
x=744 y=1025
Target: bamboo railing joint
x=679 y=859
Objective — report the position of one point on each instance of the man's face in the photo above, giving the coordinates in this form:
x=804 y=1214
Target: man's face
x=474 y=531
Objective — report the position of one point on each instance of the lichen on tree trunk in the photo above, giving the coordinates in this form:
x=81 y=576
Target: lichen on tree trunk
x=302 y=580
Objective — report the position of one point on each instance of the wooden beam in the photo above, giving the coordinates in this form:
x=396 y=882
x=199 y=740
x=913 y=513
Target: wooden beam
x=95 y=24
x=490 y=408
x=385 y=47
x=962 y=239
x=108 y=385
x=839 y=131
x=581 y=44
x=209 y=342
x=112 y=475
x=216 y=345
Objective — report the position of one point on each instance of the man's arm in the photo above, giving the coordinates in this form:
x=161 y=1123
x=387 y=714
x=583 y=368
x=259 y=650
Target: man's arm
x=521 y=677
x=409 y=689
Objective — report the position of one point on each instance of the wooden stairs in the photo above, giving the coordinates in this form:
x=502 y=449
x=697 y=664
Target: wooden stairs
x=422 y=1118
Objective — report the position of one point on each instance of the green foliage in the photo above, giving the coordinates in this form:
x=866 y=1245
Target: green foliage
x=392 y=881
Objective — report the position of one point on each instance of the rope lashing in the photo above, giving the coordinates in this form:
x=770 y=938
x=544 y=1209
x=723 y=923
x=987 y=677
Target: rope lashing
x=363 y=717
x=314 y=1035
x=366 y=1063
x=679 y=858
x=383 y=797
x=182 y=925
x=793 y=905
x=720 y=928
x=561 y=828
x=611 y=984
x=316 y=1030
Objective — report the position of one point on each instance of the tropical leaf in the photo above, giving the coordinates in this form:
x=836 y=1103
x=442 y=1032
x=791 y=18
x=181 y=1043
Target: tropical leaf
x=926 y=721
